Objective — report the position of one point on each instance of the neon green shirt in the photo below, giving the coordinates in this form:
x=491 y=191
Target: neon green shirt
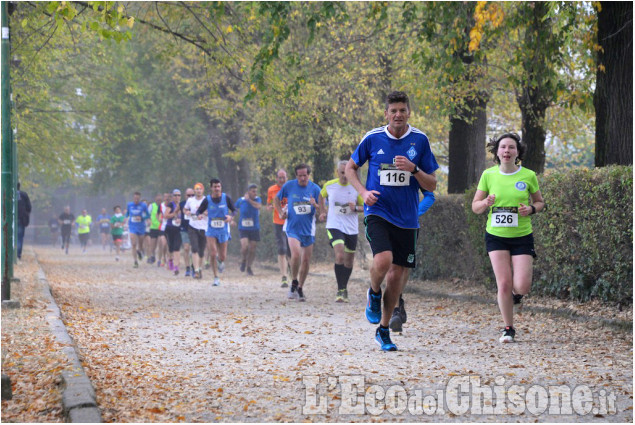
x=83 y=223
x=155 y=223
x=511 y=190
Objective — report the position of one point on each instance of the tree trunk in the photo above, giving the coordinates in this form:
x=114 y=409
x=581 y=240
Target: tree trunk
x=323 y=159
x=534 y=135
x=537 y=90
x=613 y=93
x=467 y=145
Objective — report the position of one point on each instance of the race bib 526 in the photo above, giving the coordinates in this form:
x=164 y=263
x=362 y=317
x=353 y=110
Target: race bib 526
x=505 y=217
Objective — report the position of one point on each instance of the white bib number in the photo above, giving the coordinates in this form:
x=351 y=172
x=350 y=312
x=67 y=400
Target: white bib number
x=176 y=222
x=389 y=175
x=83 y=226
x=66 y=222
x=218 y=223
x=136 y=219
x=343 y=209
x=247 y=222
x=302 y=208
x=505 y=217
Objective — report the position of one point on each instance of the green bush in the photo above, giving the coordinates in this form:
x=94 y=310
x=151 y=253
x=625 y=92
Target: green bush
x=446 y=249
x=585 y=238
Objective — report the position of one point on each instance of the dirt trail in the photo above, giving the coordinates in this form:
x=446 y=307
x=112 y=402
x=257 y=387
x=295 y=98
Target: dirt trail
x=165 y=348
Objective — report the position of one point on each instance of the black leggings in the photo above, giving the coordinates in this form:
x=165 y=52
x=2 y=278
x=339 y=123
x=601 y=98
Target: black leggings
x=66 y=237
x=83 y=238
x=173 y=235
x=197 y=241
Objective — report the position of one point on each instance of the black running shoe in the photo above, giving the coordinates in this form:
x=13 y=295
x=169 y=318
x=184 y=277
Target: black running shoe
x=396 y=321
x=301 y=296
x=509 y=333
x=242 y=267
x=402 y=310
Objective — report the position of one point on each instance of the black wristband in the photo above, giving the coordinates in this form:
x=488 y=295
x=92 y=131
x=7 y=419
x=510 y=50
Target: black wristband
x=533 y=209
x=415 y=170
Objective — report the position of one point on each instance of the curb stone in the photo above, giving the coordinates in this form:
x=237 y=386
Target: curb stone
x=78 y=397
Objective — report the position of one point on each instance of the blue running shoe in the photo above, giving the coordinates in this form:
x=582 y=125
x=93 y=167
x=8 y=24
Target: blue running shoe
x=187 y=272
x=373 y=307
x=382 y=337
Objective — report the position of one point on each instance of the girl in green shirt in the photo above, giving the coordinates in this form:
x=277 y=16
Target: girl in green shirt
x=510 y=194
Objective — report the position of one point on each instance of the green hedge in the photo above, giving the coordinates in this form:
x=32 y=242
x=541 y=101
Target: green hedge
x=445 y=248
x=584 y=240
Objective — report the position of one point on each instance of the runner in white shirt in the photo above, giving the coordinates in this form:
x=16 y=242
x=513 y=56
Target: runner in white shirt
x=342 y=225
x=197 y=229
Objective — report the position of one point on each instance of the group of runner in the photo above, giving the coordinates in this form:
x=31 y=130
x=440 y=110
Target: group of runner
x=401 y=164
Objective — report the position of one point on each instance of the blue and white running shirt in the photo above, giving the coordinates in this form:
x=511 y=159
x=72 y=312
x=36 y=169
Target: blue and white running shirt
x=399 y=190
x=300 y=212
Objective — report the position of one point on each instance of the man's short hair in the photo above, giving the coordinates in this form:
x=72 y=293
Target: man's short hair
x=301 y=166
x=397 y=97
x=214 y=181
x=252 y=186
x=137 y=193
x=115 y=208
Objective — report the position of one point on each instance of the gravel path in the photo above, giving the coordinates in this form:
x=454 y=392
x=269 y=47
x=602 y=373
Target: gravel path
x=160 y=348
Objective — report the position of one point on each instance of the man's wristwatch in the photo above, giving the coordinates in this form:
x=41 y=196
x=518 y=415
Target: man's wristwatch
x=415 y=170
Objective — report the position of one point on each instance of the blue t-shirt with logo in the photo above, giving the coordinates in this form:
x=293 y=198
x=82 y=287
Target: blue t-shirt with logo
x=399 y=190
x=137 y=214
x=249 y=215
x=104 y=225
x=300 y=212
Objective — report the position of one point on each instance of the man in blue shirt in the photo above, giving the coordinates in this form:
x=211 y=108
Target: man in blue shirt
x=137 y=213
x=400 y=162
x=302 y=196
x=249 y=226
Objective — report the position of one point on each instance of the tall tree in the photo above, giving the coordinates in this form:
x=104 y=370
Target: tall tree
x=461 y=29
x=613 y=94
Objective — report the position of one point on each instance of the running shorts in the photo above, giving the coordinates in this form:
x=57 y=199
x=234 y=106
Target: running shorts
x=523 y=245
x=385 y=236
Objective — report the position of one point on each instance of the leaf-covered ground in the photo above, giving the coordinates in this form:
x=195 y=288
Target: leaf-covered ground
x=31 y=355
x=160 y=348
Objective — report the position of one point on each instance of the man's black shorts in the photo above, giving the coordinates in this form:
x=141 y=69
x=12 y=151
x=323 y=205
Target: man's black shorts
x=336 y=236
x=155 y=233
x=385 y=236
x=523 y=245
x=252 y=235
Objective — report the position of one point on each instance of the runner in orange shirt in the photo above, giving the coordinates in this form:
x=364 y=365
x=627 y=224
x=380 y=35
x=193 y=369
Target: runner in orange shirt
x=278 y=225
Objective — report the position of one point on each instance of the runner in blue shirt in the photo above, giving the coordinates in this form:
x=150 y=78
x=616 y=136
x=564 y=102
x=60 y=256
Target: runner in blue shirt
x=220 y=215
x=302 y=196
x=249 y=227
x=137 y=213
x=400 y=162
